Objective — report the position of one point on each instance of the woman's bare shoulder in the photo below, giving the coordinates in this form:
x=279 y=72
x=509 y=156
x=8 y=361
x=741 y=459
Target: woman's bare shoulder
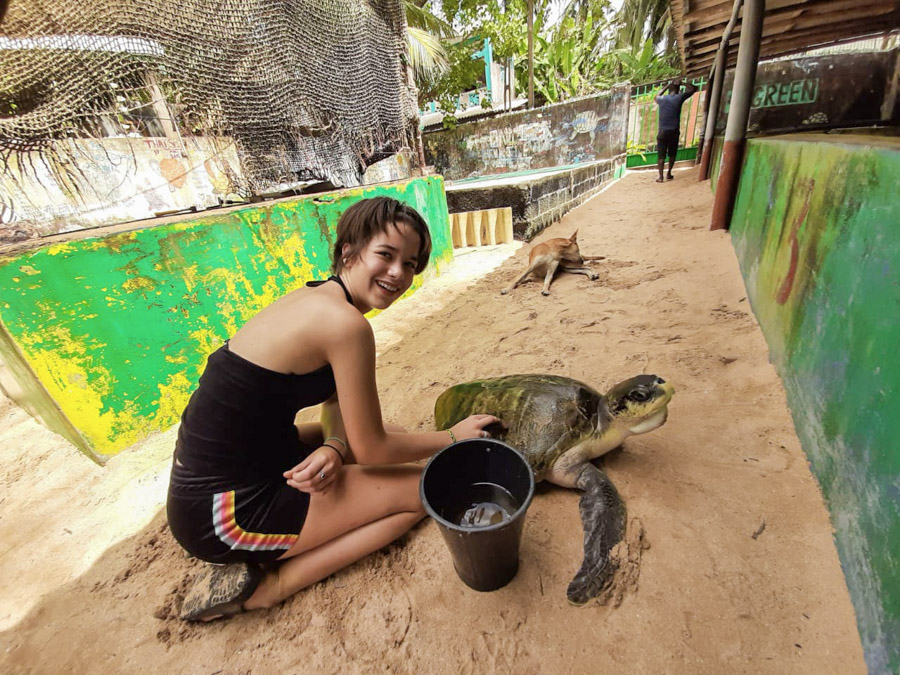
x=326 y=317
x=296 y=333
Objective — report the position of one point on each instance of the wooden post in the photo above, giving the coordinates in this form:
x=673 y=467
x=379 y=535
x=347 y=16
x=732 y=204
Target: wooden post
x=715 y=93
x=738 y=113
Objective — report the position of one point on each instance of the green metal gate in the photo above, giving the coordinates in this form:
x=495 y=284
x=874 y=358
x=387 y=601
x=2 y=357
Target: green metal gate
x=643 y=123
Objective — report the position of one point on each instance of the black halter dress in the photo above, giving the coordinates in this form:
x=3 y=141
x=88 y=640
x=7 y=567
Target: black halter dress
x=228 y=500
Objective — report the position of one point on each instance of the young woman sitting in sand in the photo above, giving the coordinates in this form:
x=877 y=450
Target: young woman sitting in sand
x=281 y=506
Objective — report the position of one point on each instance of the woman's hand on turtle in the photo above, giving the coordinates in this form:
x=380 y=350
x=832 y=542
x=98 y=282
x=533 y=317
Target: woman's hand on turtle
x=315 y=474
x=474 y=426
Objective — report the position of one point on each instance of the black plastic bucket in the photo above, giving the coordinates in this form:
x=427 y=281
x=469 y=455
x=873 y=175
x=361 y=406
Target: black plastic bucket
x=486 y=557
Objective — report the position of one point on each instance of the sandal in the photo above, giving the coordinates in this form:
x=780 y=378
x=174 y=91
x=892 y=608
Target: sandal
x=220 y=590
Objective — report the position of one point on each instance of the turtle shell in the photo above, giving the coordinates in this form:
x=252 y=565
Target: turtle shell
x=546 y=414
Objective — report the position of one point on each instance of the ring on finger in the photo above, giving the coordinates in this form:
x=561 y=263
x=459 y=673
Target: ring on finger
x=322 y=475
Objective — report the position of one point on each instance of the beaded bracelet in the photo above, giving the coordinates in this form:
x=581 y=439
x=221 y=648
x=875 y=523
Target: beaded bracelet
x=452 y=437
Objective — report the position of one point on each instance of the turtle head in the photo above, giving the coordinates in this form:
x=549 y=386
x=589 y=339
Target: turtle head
x=639 y=403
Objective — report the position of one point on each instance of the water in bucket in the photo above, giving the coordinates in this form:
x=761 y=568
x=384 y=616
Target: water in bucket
x=485 y=504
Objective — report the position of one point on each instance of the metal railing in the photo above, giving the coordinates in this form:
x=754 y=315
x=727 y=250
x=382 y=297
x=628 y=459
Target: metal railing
x=643 y=123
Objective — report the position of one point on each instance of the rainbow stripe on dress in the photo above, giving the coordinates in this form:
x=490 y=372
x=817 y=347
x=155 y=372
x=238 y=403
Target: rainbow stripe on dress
x=237 y=537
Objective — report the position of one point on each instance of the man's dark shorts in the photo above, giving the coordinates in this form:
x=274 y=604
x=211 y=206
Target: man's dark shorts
x=667 y=144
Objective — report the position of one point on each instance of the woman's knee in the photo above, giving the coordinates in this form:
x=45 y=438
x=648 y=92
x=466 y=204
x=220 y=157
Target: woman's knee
x=407 y=493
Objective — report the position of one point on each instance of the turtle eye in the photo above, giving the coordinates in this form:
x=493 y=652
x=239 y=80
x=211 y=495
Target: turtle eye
x=639 y=395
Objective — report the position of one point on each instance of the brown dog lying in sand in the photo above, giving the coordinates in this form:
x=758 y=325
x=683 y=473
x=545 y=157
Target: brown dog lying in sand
x=554 y=255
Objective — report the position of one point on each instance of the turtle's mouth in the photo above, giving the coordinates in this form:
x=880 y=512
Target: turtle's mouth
x=650 y=423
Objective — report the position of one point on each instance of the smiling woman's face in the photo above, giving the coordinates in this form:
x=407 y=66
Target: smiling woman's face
x=384 y=268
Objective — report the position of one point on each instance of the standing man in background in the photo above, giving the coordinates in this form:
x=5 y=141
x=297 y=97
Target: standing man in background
x=669 y=102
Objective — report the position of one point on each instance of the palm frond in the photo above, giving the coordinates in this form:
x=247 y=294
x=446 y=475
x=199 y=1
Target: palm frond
x=422 y=19
x=427 y=56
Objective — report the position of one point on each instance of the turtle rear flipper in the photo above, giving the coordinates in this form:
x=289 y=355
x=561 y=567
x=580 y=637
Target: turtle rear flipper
x=603 y=518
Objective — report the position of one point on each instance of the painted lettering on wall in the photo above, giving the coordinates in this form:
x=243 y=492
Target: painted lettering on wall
x=776 y=94
x=779 y=94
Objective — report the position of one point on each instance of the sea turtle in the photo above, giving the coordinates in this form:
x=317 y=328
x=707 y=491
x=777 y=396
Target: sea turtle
x=560 y=424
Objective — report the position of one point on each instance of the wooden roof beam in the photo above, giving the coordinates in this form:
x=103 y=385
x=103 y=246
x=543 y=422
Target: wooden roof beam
x=784 y=44
x=695 y=46
x=853 y=7
x=718 y=22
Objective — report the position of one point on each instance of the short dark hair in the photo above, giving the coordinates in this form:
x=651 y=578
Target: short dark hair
x=369 y=217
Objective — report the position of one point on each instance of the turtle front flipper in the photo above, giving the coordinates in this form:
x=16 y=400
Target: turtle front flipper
x=603 y=518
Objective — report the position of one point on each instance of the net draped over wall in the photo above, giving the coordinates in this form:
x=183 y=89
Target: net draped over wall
x=305 y=88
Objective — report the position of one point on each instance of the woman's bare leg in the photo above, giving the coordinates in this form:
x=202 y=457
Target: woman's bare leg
x=365 y=509
x=307 y=568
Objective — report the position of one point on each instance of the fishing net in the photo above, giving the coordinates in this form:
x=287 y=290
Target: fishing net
x=306 y=89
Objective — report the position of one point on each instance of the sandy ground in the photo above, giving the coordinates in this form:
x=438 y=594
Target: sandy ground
x=93 y=581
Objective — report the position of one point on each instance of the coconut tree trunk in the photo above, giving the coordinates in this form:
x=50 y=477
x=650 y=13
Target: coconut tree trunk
x=530 y=54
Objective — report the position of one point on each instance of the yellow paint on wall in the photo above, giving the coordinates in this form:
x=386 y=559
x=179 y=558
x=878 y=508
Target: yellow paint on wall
x=173 y=397
x=66 y=382
x=138 y=284
x=207 y=341
x=58 y=249
x=189 y=276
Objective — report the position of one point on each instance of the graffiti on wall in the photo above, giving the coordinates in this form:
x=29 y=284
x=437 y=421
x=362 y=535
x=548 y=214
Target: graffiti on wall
x=779 y=94
x=394 y=168
x=590 y=123
x=564 y=134
x=814 y=231
x=511 y=148
x=113 y=180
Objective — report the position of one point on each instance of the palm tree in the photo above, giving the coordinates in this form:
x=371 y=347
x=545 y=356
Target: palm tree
x=643 y=20
x=427 y=55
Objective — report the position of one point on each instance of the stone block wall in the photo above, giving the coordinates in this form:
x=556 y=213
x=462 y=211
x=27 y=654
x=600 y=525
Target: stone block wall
x=537 y=200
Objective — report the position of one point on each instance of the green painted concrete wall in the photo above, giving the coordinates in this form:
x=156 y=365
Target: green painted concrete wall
x=815 y=228
x=107 y=336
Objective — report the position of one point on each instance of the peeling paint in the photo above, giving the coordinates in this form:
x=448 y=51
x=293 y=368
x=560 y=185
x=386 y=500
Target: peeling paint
x=117 y=329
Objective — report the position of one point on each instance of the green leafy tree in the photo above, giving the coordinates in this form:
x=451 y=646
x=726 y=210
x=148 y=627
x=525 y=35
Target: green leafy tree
x=637 y=66
x=645 y=41
x=463 y=74
x=587 y=49
x=566 y=56
x=427 y=55
x=642 y=20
